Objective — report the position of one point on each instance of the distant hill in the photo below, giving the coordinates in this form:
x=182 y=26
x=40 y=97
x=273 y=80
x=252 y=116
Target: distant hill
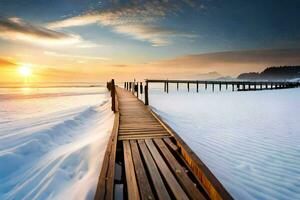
x=209 y=75
x=272 y=73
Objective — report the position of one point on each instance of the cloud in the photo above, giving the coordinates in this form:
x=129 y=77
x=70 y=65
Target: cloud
x=51 y=53
x=158 y=36
x=17 y=29
x=233 y=62
x=4 y=63
x=137 y=20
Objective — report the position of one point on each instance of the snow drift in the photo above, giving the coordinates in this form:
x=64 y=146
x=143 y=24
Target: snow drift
x=52 y=143
x=250 y=140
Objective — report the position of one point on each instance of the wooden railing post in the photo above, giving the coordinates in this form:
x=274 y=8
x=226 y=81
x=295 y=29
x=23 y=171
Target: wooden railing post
x=146 y=94
x=141 y=87
x=113 y=95
x=137 y=89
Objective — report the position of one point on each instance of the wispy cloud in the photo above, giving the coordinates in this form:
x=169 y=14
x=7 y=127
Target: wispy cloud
x=233 y=62
x=137 y=20
x=18 y=29
x=51 y=53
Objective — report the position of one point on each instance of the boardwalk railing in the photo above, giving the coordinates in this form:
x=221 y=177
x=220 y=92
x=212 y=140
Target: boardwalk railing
x=137 y=88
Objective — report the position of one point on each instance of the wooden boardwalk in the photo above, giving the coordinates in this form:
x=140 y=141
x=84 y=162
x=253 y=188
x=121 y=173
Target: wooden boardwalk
x=145 y=159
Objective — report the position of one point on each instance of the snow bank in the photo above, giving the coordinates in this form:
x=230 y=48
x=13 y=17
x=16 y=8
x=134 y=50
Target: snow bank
x=52 y=144
x=250 y=140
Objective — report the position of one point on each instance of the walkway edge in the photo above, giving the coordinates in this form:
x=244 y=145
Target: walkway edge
x=208 y=180
x=105 y=185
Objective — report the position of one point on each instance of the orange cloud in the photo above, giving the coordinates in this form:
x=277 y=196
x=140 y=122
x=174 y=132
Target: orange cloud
x=4 y=64
x=231 y=62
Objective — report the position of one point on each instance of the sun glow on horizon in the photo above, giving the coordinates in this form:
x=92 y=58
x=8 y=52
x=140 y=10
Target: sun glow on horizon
x=25 y=70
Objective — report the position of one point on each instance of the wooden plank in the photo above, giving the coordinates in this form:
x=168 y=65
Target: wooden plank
x=143 y=132
x=132 y=188
x=158 y=183
x=177 y=190
x=143 y=182
x=141 y=137
x=171 y=144
x=188 y=185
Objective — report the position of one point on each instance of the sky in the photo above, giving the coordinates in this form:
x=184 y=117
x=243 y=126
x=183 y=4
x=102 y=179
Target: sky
x=90 y=41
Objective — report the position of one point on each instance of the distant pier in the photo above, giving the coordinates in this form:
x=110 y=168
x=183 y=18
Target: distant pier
x=219 y=85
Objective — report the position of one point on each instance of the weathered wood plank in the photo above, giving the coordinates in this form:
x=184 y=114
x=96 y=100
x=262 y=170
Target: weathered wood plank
x=177 y=190
x=143 y=182
x=141 y=137
x=132 y=188
x=171 y=144
x=158 y=183
x=189 y=187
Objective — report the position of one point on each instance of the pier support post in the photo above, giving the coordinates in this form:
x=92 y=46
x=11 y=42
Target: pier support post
x=197 y=86
x=226 y=86
x=213 y=87
x=167 y=86
x=188 y=86
x=205 y=85
x=177 y=86
x=137 y=89
x=220 y=86
x=141 y=87
x=232 y=87
x=146 y=94
x=113 y=96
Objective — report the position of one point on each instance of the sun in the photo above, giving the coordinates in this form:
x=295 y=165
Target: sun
x=25 y=70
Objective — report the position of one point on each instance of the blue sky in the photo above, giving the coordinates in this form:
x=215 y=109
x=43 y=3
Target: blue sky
x=150 y=34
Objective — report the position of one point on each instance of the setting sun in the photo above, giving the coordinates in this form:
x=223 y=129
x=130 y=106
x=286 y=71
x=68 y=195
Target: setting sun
x=25 y=70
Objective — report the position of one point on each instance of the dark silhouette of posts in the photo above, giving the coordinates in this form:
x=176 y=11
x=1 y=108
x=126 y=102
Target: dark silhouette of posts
x=220 y=86
x=141 y=87
x=188 y=86
x=177 y=86
x=205 y=85
x=113 y=95
x=136 y=88
x=232 y=87
x=197 y=86
x=146 y=94
x=213 y=87
x=226 y=86
x=167 y=85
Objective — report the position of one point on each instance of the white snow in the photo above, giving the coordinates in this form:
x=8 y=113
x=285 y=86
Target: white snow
x=52 y=141
x=249 y=140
